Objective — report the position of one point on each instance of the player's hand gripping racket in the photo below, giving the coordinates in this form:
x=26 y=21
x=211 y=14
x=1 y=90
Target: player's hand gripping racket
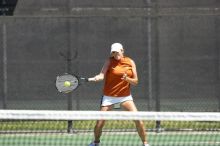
x=66 y=83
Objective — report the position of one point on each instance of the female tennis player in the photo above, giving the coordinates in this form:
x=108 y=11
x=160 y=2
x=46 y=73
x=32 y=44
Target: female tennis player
x=119 y=72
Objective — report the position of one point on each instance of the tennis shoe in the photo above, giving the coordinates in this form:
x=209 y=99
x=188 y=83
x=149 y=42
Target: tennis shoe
x=94 y=144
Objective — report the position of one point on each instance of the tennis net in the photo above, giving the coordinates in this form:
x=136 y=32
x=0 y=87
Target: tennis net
x=50 y=128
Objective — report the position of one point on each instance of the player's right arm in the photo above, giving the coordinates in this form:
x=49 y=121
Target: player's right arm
x=101 y=75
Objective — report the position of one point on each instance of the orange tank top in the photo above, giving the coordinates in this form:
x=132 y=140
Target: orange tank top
x=114 y=85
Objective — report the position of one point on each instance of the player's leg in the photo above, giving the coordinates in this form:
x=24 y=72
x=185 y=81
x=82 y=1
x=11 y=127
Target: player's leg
x=130 y=106
x=98 y=127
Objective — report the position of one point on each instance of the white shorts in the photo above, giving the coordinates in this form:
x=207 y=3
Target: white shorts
x=109 y=100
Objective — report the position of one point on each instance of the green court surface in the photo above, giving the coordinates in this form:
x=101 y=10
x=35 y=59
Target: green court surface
x=184 y=138
x=115 y=133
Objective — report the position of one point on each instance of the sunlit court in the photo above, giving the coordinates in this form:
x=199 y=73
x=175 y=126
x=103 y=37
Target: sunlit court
x=109 y=73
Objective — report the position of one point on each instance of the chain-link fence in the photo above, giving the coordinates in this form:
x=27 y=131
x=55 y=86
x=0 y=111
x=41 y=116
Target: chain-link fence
x=174 y=43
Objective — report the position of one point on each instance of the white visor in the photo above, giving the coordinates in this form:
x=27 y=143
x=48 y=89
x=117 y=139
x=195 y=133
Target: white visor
x=116 y=47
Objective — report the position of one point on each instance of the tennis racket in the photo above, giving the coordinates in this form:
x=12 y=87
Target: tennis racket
x=67 y=82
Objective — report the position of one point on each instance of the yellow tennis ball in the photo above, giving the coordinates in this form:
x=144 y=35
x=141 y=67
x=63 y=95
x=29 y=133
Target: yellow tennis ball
x=67 y=83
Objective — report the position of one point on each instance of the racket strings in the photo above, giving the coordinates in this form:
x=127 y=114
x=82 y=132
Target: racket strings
x=62 y=79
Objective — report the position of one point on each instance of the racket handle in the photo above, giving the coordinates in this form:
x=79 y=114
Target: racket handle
x=91 y=79
x=88 y=79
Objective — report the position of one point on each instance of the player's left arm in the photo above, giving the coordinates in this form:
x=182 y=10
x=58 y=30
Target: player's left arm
x=134 y=79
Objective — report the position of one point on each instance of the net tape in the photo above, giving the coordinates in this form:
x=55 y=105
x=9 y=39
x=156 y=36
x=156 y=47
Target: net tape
x=110 y=115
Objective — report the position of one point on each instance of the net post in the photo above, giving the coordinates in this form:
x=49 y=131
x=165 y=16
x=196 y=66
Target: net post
x=69 y=126
x=158 y=128
x=5 y=66
x=69 y=70
x=157 y=64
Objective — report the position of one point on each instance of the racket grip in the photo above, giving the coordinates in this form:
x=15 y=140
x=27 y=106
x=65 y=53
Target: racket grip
x=91 y=79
